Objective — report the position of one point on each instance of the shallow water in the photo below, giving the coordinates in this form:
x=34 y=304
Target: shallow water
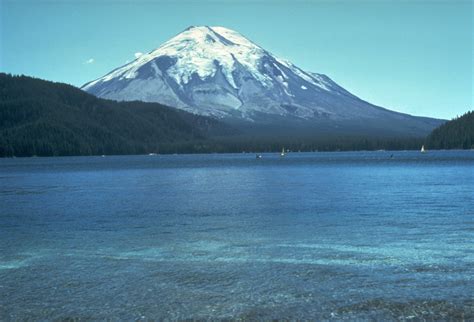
x=361 y=235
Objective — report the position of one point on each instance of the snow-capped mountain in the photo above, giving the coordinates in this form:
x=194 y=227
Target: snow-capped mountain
x=218 y=72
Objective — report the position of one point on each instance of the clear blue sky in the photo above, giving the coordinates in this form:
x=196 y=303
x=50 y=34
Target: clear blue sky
x=409 y=56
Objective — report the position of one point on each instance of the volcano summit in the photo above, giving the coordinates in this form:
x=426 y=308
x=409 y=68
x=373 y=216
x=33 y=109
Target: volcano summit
x=217 y=72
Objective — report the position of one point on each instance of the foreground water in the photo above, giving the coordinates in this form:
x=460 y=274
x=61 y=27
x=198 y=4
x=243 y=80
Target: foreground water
x=372 y=235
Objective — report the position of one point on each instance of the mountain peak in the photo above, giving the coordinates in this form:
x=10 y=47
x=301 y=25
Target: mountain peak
x=200 y=51
x=213 y=34
x=213 y=70
x=207 y=28
x=182 y=72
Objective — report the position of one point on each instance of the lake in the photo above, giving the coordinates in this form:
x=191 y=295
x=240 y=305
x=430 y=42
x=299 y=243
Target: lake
x=328 y=236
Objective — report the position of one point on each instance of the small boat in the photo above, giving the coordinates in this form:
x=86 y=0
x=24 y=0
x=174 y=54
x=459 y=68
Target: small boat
x=151 y=154
x=422 y=149
x=282 y=154
x=258 y=156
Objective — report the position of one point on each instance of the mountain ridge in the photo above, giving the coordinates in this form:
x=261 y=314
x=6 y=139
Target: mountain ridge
x=215 y=71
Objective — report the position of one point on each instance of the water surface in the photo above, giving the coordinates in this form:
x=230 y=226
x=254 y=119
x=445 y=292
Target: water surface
x=360 y=235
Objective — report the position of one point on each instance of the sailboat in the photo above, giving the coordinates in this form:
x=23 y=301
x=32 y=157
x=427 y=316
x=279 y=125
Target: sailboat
x=422 y=149
x=282 y=154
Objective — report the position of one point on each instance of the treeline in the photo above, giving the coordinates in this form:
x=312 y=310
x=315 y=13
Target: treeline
x=455 y=134
x=51 y=119
x=238 y=144
x=43 y=118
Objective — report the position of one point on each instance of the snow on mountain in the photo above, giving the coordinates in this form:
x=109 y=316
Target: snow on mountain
x=218 y=72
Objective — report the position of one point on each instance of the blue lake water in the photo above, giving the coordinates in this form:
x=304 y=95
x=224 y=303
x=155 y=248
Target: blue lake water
x=359 y=236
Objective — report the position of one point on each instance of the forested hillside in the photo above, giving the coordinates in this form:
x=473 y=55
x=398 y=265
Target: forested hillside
x=455 y=134
x=43 y=118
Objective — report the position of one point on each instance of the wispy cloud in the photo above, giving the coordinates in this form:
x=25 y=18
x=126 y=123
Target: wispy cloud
x=138 y=54
x=89 y=61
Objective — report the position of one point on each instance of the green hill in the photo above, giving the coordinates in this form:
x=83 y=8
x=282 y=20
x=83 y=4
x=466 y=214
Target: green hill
x=455 y=134
x=43 y=118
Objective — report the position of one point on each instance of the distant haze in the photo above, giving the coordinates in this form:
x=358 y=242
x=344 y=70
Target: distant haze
x=411 y=56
